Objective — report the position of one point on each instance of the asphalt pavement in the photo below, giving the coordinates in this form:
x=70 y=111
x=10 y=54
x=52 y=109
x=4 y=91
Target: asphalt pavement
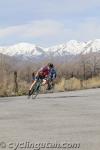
x=66 y=120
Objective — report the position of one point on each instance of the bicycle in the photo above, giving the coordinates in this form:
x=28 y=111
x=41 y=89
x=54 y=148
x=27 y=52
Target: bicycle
x=36 y=89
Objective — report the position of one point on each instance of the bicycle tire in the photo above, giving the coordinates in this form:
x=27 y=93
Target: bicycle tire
x=36 y=89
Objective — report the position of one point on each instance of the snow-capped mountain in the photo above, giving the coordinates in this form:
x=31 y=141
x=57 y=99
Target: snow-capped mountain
x=91 y=46
x=22 y=49
x=72 y=47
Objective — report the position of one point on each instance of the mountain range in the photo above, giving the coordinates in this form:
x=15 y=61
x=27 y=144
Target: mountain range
x=70 y=48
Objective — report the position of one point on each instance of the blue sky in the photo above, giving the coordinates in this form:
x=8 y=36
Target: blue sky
x=48 y=22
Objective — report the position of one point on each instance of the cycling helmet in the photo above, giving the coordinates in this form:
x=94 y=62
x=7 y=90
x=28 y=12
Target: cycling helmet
x=50 y=65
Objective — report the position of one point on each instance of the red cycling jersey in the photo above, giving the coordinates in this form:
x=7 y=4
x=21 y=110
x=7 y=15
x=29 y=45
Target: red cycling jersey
x=44 y=71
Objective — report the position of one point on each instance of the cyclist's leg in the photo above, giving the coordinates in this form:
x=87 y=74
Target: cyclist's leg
x=51 y=84
x=48 y=84
x=32 y=84
x=44 y=82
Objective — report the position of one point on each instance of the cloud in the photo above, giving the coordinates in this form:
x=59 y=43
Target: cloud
x=90 y=29
x=33 y=29
x=63 y=6
x=50 y=32
x=14 y=12
x=85 y=30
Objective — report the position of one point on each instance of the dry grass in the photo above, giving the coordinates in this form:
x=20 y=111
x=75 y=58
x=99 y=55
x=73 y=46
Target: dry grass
x=92 y=83
x=76 y=84
x=8 y=90
x=60 y=86
x=63 y=85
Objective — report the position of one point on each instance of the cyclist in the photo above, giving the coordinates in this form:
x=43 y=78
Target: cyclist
x=33 y=77
x=47 y=74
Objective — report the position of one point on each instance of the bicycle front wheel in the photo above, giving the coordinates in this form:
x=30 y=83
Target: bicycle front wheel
x=36 y=89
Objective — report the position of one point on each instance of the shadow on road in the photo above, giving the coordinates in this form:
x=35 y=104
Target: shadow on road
x=47 y=97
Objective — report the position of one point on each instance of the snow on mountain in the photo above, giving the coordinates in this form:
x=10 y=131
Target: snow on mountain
x=23 y=49
x=92 y=46
x=72 y=47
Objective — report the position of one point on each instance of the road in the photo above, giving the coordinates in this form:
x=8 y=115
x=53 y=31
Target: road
x=65 y=118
